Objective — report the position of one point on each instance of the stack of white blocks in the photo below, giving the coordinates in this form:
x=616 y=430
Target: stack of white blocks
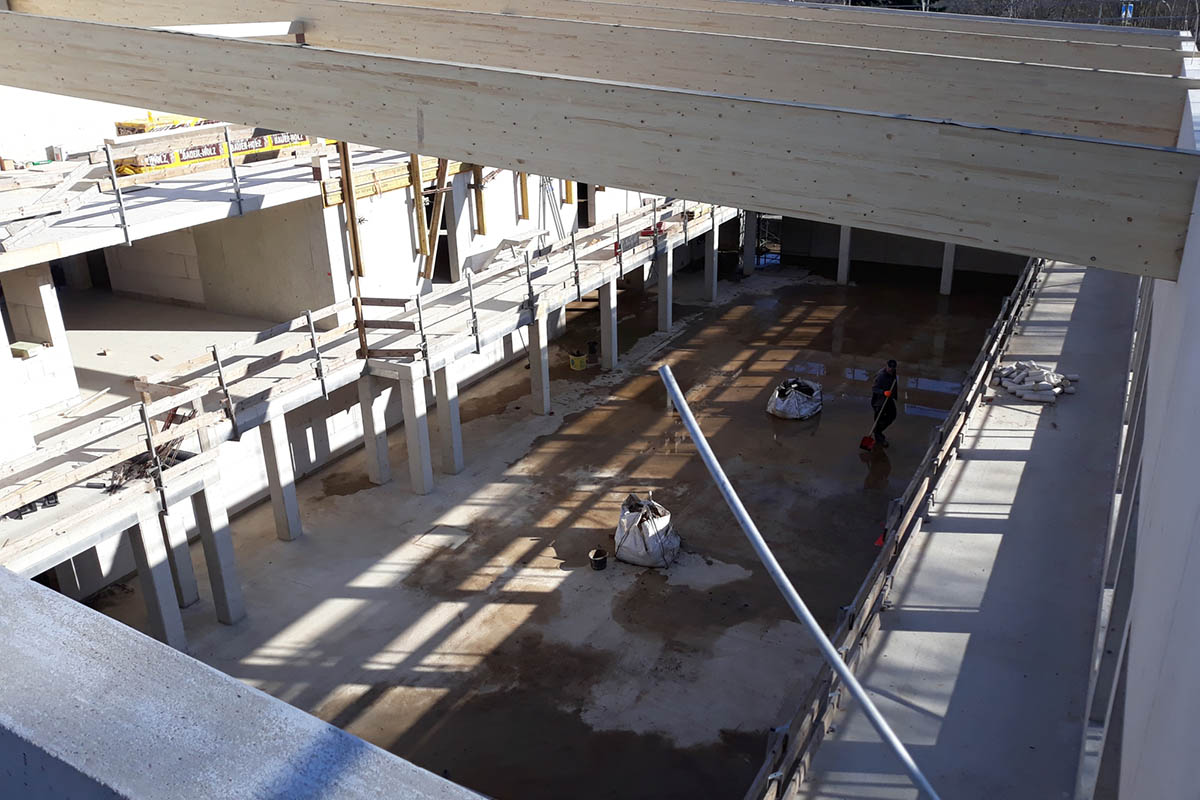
x=1030 y=381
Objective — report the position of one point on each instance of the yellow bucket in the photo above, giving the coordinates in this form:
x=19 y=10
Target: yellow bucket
x=578 y=362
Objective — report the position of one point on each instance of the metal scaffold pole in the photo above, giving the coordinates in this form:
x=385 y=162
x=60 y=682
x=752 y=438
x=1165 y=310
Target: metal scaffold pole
x=785 y=585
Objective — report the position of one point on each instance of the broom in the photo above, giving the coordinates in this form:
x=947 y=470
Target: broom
x=868 y=441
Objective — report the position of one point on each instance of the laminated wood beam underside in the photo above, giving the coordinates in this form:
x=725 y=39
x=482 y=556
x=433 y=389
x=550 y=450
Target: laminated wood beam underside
x=1091 y=47
x=1091 y=202
x=1127 y=107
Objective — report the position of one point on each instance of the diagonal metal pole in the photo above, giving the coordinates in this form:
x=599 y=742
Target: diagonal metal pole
x=785 y=586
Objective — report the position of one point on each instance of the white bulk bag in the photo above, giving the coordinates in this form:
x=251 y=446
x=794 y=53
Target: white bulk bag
x=644 y=533
x=795 y=398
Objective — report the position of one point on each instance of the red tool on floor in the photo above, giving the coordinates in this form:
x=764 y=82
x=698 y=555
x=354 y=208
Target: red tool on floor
x=868 y=441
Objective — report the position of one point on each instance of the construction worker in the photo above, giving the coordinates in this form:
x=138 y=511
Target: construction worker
x=883 y=400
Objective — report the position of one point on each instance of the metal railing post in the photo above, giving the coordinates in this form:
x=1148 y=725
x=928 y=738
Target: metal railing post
x=112 y=174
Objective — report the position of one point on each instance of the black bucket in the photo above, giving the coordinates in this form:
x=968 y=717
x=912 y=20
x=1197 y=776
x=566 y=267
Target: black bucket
x=599 y=558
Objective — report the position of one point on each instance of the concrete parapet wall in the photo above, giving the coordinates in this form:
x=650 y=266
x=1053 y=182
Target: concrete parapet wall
x=91 y=708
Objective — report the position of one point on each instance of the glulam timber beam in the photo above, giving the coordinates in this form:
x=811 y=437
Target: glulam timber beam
x=825 y=27
x=1120 y=106
x=930 y=21
x=1084 y=201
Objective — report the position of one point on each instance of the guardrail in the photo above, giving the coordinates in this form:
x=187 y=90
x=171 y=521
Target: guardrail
x=140 y=428
x=790 y=746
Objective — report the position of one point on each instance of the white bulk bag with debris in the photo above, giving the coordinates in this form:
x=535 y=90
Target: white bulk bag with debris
x=795 y=398
x=644 y=533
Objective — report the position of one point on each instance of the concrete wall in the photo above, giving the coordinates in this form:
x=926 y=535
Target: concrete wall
x=800 y=237
x=47 y=379
x=165 y=267
x=39 y=119
x=1162 y=701
x=272 y=263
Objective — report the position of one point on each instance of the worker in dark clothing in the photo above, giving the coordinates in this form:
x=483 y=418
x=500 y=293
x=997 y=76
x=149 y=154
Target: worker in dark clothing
x=883 y=400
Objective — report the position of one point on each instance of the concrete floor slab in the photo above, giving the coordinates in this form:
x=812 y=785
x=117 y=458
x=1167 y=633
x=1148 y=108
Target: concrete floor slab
x=982 y=664
x=497 y=657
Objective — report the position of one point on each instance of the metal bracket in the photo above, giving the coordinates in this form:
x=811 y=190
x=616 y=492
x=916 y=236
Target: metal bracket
x=685 y=222
x=156 y=467
x=228 y=400
x=312 y=333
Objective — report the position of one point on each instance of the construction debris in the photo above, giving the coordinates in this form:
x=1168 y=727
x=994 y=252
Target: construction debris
x=1030 y=381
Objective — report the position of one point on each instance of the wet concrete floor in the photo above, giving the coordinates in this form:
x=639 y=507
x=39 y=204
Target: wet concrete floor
x=465 y=630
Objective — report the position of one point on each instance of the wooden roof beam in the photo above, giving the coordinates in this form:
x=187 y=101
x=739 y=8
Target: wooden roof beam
x=1120 y=106
x=823 y=28
x=1088 y=202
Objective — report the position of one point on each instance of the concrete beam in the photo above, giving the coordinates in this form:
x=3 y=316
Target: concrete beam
x=411 y=386
x=445 y=383
x=539 y=365
x=925 y=173
x=608 y=325
x=666 y=288
x=843 y=267
x=373 y=398
x=183 y=574
x=154 y=574
x=947 y=268
x=216 y=538
x=710 y=264
x=281 y=478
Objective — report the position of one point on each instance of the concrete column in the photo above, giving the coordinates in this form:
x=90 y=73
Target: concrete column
x=337 y=248
x=373 y=396
x=183 y=574
x=750 y=243
x=458 y=224
x=154 y=573
x=666 y=288
x=445 y=384
x=710 y=265
x=947 y=267
x=76 y=271
x=416 y=427
x=16 y=434
x=33 y=306
x=212 y=520
x=635 y=279
x=539 y=366
x=281 y=477
x=608 y=325
x=843 y=272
